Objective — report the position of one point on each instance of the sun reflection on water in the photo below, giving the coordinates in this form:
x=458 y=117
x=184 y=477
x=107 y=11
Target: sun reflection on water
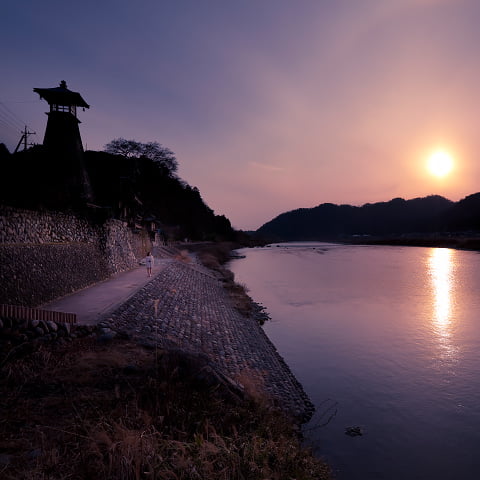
x=441 y=263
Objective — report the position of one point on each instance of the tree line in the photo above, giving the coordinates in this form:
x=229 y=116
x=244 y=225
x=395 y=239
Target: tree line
x=133 y=181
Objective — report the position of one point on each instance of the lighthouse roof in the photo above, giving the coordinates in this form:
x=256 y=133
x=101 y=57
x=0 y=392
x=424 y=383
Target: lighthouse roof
x=61 y=95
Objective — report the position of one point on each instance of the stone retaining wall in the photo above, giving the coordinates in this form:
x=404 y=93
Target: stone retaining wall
x=31 y=275
x=26 y=226
x=46 y=255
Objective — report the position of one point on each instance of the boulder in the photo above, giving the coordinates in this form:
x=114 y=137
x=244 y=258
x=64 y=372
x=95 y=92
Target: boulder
x=52 y=326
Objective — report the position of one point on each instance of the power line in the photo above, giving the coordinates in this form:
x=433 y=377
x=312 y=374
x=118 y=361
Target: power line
x=7 y=121
x=8 y=126
x=11 y=125
x=10 y=117
x=8 y=134
x=12 y=114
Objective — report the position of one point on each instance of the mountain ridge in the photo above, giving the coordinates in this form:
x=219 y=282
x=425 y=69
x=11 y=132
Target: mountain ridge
x=398 y=216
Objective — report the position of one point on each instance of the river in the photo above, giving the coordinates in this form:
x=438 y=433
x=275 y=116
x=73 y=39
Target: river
x=385 y=340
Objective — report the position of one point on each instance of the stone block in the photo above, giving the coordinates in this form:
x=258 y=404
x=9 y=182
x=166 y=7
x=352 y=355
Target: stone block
x=52 y=326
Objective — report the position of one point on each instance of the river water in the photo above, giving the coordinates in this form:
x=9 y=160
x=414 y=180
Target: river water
x=382 y=338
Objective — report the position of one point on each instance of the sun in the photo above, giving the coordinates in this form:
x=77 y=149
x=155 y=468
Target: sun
x=440 y=163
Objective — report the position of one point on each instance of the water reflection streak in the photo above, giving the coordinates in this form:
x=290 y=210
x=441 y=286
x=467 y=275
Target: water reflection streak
x=441 y=263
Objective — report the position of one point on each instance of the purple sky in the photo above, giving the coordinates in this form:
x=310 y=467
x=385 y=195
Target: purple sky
x=269 y=105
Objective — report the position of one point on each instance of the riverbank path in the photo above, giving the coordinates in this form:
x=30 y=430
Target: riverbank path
x=93 y=303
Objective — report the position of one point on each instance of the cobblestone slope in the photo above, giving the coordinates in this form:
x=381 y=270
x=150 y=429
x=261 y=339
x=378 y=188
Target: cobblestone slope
x=186 y=306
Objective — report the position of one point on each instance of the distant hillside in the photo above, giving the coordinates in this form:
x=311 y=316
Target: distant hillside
x=398 y=216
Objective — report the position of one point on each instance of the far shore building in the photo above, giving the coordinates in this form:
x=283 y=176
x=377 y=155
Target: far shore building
x=63 y=145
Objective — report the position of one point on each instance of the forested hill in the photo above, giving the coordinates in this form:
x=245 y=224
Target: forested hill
x=139 y=186
x=147 y=190
x=398 y=216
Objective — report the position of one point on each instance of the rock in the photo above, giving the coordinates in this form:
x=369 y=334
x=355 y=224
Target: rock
x=353 y=431
x=123 y=335
x=52 y=326
x=148 y=345
x=39 y=331
x=105 y=331
x=43 y=325
x=37 y=452
x=106 y=337
x=65 y=327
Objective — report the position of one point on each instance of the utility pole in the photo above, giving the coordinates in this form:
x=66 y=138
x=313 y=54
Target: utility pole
x=24 y=139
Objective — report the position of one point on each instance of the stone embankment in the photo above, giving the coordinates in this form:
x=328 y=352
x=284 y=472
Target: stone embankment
x=46 y=255
x=186 y=306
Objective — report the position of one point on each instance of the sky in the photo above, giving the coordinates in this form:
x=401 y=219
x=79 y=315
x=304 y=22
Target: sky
x=269 y=105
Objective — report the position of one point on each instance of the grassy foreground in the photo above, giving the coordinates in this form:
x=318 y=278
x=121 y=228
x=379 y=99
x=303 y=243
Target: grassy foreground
x=119 y=411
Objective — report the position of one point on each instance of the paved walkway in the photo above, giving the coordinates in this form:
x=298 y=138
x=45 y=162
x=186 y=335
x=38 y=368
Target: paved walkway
x=93 y=303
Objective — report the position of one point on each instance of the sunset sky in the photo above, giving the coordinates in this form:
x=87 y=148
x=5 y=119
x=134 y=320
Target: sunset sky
x=269 y=105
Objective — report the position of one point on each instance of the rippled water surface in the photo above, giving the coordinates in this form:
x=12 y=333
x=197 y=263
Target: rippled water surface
x=384 y=338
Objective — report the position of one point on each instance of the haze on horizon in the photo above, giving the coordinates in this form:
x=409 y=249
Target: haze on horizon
x=269 y=105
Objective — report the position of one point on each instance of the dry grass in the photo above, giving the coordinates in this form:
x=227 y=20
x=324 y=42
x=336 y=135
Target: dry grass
x=213 y=255
x=117 y=411
x=183 y=256
x=240 y=298
x=210 y=261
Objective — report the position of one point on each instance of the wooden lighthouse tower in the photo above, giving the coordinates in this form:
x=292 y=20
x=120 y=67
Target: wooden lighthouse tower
x=63 y=144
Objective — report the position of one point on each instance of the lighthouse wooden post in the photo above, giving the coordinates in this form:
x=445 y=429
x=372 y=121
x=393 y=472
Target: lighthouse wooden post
x=63 y=144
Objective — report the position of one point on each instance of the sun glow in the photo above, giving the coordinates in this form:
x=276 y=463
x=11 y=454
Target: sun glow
x=440 y=163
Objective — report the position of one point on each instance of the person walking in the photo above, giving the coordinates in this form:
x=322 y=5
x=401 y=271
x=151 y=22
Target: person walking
x=149 y=261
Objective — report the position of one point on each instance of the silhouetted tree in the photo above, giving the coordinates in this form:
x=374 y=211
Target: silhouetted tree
x=27 y=180
x=134 y=187
x=154 y=151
